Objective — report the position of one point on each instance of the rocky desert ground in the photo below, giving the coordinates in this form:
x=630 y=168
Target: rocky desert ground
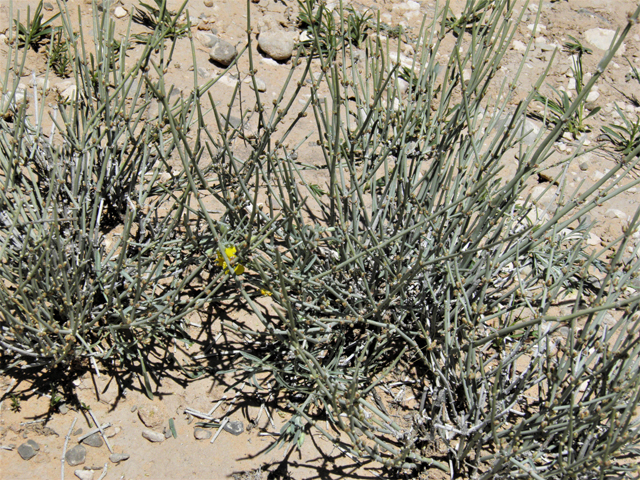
x=41 y=416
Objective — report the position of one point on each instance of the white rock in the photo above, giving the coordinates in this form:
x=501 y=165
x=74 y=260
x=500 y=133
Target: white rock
x=601 y=38
x=593 y=96
x=615 y=213
x=542 y=198
x=120 y=12
x=540 y=27
x=42 y=84
x=69 y=93
x=83 y=474
x=571 y=85
x=593 y=240
x=153 y=436
x=518 y=46
x=262 y=86
x=276 y=44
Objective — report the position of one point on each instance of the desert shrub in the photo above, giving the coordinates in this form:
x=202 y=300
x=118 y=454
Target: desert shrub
x=420 y=259
x=95 y=262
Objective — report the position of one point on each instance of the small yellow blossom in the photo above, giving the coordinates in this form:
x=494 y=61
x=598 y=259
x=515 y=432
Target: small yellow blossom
x=230 y=252
x=265 y=292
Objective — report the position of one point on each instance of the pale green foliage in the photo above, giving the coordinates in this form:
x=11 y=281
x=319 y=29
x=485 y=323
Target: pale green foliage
x=418 y=260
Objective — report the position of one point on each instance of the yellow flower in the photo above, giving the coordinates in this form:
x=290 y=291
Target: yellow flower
x=265 y=292
x=230 y=252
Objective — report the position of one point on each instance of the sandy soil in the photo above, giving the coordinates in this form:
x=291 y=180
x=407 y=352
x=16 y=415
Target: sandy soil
x=118 y=400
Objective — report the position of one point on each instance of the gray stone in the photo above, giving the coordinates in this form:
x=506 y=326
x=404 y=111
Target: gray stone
x=234 y=427
x=201 y=433
x=150 y=414
x=34 y=445
x=76 y=456
x=119 y=457
x=208 y=3
x=84 y=474
x=47 y=6
x=260 y=84
x=26 y=451
x=277 y=44
x=208 y=40
x=94 y=440
x=223 y=52
x=63 y=409
x=153 y=436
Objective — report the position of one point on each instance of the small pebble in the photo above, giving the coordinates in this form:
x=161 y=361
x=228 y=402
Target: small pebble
x=119 y=457
x=260 y=84
x=277 y=44
x=112 y=431
x=201 y=433
x=149 y=414
x=208 y=3
x=76 y=456
x=34 y=445
x=94 y=440
x=84 y=474
x=119 y=12
x=78 y=431
x=152 y=436
x=47 y=6
x=26 y=451
x=234 y=427
x=63 y=409
x=223 y=53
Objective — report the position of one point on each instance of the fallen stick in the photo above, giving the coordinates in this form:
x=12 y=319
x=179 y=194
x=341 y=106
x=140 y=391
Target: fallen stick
x=215 y=407
x=101 y=431
x=92 y=431
x=104 y=472
x=64 y=450
x=222 y=425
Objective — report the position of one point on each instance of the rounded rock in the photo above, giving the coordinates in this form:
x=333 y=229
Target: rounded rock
x=84 y=474
x=120 y=12
x=153 y=436
x=201 y=433
x=235 y=427
x=76 y=456
x=150 y=416
x=223 y=53
x=119 y=457
x=276 y=44
x=26 y=451
x=94 y=440
x=208 y=40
